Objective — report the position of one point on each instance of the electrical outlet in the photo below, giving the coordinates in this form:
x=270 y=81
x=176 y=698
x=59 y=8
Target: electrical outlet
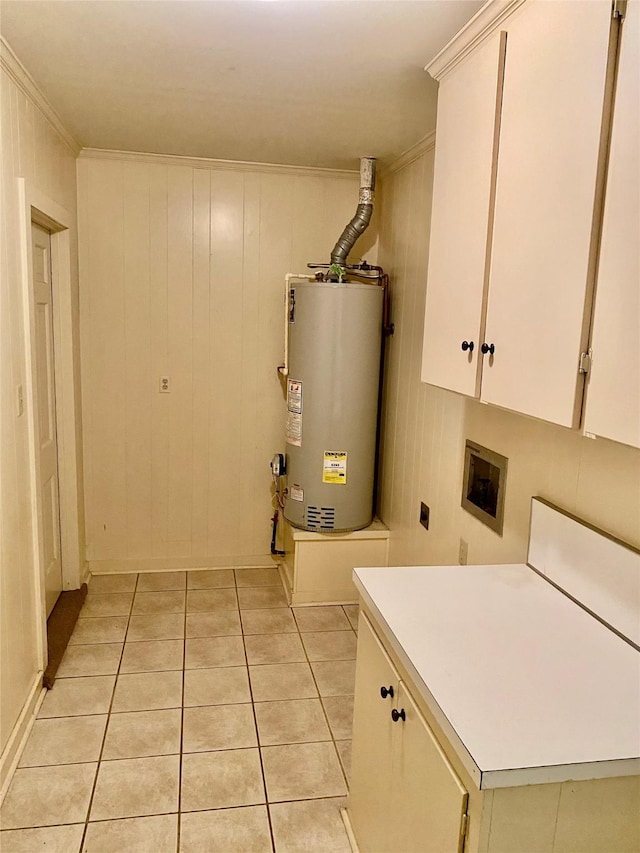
x=19 y=401
x=463 y=552
x=424 y=515
x=165 y=385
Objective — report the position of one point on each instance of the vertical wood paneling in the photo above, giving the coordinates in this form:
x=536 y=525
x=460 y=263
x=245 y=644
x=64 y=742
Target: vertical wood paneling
x=201 y=399
x=196 y=259
x=179 y=318
x=160 y=403
x=108 y=364
x=250 y=516
x=137 y=353
x=309 y=205
x=227 y=214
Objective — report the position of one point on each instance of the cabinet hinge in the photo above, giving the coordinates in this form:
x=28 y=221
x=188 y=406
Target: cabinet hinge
x=619 y=9
x=585 y=362
x=464 y=827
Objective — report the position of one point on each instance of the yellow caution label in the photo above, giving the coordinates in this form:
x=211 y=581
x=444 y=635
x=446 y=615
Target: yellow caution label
x=334 y=467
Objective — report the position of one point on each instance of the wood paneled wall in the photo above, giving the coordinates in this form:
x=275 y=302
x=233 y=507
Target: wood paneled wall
x=422 y=425
x=182 y=275
x=32 y=149
x=425 y=428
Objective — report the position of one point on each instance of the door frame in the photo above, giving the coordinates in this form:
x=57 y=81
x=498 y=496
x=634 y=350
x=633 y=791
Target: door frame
x=37 y=207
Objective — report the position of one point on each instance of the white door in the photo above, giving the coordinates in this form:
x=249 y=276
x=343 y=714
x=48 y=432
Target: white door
x=46 y=426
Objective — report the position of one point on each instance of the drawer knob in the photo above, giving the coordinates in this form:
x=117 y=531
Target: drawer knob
x=398 y=715
x=386 y=691
x=467 y=345
x=488 y=348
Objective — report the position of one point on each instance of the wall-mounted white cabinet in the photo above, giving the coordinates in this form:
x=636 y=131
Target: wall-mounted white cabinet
x=468 y=108
x=613 y=392
x=517 y=189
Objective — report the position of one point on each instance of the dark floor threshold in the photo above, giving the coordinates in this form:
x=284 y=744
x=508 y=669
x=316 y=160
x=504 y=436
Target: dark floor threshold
x=60 y=625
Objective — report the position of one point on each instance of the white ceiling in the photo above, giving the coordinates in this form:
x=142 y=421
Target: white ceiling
x=310 y=82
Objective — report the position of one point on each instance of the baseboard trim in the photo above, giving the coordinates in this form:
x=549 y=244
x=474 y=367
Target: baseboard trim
x=323 y=598
x=344 y=814
x=286 y=582
x=172 y=564
x=21 y=730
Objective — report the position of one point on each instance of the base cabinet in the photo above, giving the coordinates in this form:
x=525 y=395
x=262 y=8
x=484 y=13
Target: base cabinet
x=410 y=794
x=428 y=800
x=405 y=795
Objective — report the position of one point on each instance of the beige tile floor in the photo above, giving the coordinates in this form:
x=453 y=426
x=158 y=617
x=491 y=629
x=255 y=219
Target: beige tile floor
x=194 y=712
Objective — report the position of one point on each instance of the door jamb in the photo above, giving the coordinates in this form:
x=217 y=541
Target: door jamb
x=37 y=207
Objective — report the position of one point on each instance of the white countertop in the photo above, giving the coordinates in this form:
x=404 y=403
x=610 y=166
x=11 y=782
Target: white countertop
x=528 y=686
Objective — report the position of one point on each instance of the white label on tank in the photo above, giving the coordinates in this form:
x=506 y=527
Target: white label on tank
x=294 y=396
x=334 y=467
x=296 y=493
x=294 y=429
x=294 y=412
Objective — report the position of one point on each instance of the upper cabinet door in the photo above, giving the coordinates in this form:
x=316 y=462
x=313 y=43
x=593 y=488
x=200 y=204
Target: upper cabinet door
x=468 y=106
x=552 y=110
x=613 y=393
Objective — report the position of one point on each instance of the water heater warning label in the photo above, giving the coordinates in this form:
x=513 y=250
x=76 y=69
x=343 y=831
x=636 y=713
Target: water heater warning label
x=334 y=467
x=294 y=413
x=294 y=396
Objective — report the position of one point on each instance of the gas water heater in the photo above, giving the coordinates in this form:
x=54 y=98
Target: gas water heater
x=334 y=328
x=332 y=403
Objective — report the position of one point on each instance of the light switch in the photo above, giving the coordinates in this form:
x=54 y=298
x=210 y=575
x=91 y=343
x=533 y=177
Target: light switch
x=19 y=401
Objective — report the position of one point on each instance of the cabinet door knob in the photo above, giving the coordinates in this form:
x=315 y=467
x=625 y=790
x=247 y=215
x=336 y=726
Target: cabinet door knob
x=386 y=691
x=467 y=345
x=398 y=715
x=488 y=348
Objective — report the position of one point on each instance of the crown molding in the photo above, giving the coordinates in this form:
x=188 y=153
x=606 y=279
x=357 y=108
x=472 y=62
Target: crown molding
x=209 y=163
x=427 y=143
x=10 y=64
x=480 y=27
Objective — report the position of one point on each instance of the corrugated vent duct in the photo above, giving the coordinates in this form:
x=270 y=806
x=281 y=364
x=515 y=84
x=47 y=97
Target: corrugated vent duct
x=362 y=218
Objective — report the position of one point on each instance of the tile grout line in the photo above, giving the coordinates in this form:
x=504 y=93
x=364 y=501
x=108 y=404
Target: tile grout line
x=255 y=723
x=106 y=728
x=184 y=664
x=320 y=697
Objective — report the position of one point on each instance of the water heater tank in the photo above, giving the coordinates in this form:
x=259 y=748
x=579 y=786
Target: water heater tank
x=332 y=402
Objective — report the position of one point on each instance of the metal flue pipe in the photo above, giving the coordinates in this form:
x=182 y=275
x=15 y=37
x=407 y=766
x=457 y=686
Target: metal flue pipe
x=362 y=218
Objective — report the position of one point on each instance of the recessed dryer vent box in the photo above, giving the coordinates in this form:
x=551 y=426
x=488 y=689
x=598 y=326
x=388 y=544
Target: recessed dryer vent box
x=483 y=488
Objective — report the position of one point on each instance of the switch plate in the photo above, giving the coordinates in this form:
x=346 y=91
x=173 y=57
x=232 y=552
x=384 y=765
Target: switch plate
x=19 y=401
x=463 y=552
x=424 y=515
x=165 y=385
